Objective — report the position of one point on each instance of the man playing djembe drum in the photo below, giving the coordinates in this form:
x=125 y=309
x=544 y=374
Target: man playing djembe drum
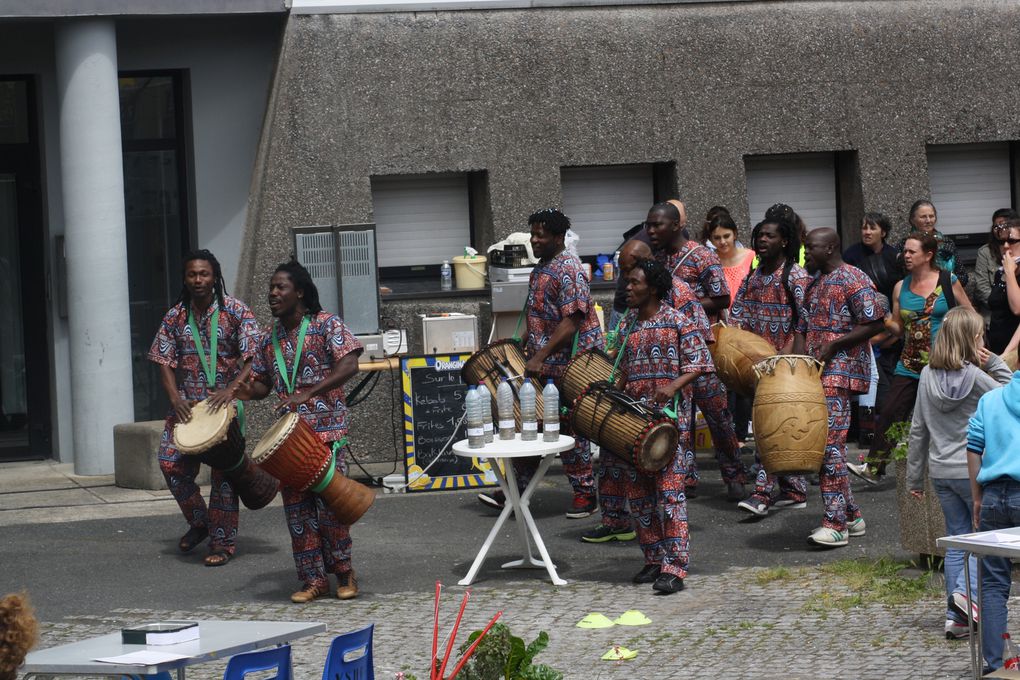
x=842 y=310
x=700 y=268
x=204 y=348
x=306 y=356
x=769 y=303
x=662 y=353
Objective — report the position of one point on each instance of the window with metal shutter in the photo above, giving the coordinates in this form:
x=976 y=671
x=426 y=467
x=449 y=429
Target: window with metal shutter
x=968 y=183
x=805 y=182
x=421 y=219
x=604 y=202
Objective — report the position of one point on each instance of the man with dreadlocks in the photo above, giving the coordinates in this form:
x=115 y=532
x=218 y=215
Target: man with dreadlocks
x=700 y=268
x=769 y=303
x=842 y=311
x=204 y=348
x=306 y=356
x=560 y=322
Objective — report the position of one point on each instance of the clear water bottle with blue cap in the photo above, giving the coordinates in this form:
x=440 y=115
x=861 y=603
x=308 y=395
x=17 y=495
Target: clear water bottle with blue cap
x=446 y=276
x=550 y=412
x=505 y=410
x=529 y=417
x=476 y=431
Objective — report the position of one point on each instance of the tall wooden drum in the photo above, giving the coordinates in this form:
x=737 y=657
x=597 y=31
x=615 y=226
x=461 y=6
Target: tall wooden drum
x=502 y=359
x=589 y=366
x=735 y=352
x=791 y=420
x=291 y=452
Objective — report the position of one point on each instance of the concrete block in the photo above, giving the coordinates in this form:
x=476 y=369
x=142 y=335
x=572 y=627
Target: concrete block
x=135 y=456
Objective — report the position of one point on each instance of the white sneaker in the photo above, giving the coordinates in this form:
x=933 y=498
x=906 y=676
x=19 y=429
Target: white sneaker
x=856 y=527
x=754 y=506
x=956 y=631
x=861 y=471
x=787 y=502
x=829 y=538
x=959 y=605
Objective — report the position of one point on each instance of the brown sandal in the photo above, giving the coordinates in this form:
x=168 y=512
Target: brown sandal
x=191 y=539
x=217 y=558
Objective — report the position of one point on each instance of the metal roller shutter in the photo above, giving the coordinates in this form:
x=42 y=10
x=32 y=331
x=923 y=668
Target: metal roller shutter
x=603 y=202
x=968 y=183
x=421 y=219
x=805 y=182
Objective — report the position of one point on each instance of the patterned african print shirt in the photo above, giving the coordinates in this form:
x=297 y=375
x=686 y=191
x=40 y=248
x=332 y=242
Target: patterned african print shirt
x=700 y=268
x=762 y=304
x=237 y=341
x=557 y=289
x=683 y=299
x=659 y=350
x=327 y=341
x=836 y=302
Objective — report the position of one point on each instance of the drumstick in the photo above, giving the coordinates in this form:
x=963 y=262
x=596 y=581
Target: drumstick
x=453 y=633
x=435 y=634
x=471 y=649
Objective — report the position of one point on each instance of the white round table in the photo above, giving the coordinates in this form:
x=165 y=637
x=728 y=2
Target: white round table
x=508 y=449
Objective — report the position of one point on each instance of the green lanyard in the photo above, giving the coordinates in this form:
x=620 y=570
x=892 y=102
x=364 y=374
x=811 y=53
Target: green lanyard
x=208 y=365
x=623 y=345
x=291 y=380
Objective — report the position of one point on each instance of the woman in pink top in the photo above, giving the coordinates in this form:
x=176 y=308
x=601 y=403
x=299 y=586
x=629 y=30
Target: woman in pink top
x=736 y=260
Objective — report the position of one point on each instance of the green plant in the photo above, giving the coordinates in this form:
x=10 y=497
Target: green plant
x=898 y=435
x=503 y=656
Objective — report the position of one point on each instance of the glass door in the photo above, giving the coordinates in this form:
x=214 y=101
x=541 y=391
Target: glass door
x=24 y=346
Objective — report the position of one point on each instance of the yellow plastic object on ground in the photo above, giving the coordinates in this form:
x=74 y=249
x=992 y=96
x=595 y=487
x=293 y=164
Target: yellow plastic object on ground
x=632 y=617
x=595 y=621
x=618 y=653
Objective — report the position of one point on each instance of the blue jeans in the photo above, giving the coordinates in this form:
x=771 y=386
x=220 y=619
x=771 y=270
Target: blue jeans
x=957 y=506
x=1000 y=509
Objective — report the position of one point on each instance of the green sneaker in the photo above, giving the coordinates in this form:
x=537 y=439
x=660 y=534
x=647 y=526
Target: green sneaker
x=856 y=527
x=603 y=534
x=828 y=538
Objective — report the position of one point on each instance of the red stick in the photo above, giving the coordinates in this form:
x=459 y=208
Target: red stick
x=471 y=649
x=453 y=635
x=435 y=634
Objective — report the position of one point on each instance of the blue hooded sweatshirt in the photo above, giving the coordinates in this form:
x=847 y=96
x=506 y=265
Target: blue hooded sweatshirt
x=994 y=431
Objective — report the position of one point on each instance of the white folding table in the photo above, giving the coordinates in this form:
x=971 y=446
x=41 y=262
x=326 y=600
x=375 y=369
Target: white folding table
x=506 y=450
x=217 y=640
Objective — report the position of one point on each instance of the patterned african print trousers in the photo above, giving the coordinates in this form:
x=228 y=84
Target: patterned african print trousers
x=658 y=507
x=613 y=477
x=576 y=466
x=834 y=477
x=793 y=487
x=711 y=399
x=320 y=543
x=221 y=515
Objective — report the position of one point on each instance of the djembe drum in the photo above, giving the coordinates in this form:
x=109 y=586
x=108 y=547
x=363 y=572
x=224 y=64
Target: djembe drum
x=214 y=437
x=624 y=426
x=791 y=420
x=735 y=352
x=589 y=366
x=291 y=452
x=502 y=359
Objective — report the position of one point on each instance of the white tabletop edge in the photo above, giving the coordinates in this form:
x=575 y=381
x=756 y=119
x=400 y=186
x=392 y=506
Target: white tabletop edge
x=972 y=543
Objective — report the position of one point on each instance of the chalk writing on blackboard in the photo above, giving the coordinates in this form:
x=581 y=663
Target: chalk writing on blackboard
x=433 y=407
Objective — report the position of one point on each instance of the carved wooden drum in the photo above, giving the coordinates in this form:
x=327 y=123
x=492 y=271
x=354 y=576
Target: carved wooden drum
x=735 y=352
x=791 y=421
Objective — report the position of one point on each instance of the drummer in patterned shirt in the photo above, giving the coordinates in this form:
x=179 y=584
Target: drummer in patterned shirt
x=187 y=357
x=663 y=353
x=560 y=322
x=769 y=303
x=305 y=357
x=700 y=268
x=842 y=311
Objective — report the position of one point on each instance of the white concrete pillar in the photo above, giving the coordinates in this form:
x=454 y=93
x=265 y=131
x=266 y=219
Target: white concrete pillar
x=96 y=244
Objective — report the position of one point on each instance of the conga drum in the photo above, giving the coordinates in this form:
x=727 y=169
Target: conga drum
x=735 y=352
x=214 y=437
x=291 y=452
x=502 y=359
x=589 y=366
x=791 y=420
x=624 y=426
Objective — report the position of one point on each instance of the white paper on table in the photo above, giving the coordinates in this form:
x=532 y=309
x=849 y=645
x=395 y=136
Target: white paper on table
x=144 y=657
x=995 y=537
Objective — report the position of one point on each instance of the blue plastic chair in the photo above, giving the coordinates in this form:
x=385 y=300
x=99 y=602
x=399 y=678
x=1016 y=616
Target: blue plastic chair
x=240 y=665
x=350 y=656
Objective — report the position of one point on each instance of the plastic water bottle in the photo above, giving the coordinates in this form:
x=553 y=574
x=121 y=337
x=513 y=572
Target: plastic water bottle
x=476 y=431
x=446 y=276
x=529 y=418
x=1010 y=653
x=486 y=399
x=550 y=412
x=505 y=410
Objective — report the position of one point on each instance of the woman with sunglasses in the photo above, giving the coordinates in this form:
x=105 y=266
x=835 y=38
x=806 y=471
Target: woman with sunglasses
x=1004 y=298
x=989 y=259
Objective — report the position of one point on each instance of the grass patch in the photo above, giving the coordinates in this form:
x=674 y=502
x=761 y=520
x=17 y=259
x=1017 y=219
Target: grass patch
x=870 y=582
x=777 y=574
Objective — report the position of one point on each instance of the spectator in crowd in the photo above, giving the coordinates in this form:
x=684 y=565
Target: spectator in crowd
x=1004 y=298
x=923 y=218
x=18 y=633
x=988 y=260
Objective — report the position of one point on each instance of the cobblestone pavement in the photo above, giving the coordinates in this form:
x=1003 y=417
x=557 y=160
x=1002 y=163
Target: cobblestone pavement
x=734 y=626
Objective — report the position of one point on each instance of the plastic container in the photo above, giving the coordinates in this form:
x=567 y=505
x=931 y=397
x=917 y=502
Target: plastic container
x=470 y=270
x=550 y=412
x=446 y=276
x=1010 y=654
x=529 y=418
x=475 y=429
x=505 y=410
x=486 y=399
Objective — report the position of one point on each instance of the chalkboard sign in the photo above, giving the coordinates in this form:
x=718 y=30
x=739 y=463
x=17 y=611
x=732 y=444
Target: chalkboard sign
x=433 y=405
